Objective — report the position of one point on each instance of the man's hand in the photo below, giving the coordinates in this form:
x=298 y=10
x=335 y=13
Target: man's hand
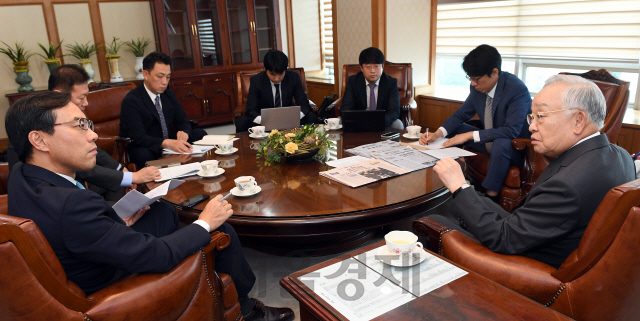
x=432 y=137
x=136 y=216
x=458 y=139
x=145 y=175
x=450 y=173
x=177 y=145
x=182 y=136
x=216 y=212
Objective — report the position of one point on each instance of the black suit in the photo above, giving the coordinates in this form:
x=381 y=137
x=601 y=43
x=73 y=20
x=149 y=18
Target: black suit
x=261 y=96
x=355 y=96
x=140 y=121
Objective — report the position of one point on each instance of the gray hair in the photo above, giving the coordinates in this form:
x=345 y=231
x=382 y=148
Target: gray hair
x=582 y=94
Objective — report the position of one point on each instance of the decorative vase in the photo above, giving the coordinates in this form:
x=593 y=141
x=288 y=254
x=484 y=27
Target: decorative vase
x=138 y=68
x=22 y=76
x=303 y=157
x=114 y=70
x=88 y=67
x=52 y=64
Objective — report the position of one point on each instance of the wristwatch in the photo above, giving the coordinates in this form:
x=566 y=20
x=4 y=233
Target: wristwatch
x=463 y=186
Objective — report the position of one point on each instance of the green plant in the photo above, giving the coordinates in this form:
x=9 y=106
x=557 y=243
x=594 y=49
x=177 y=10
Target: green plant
x=50 y=53
x=282 y=144
x=114 y=47
x=83 y=51
x=16 y=54
x=137 y=47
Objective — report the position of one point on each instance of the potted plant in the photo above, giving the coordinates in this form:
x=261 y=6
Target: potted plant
x=49 y=56
x=298 y=144
x=83 y=53
x=20 y=58
x=112 y=58
x=137 y=48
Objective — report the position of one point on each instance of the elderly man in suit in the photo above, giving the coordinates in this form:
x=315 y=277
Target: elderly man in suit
x=150 y=110
x=372 y=89
x=502 y=101
x=567 y=116
x=275 y=87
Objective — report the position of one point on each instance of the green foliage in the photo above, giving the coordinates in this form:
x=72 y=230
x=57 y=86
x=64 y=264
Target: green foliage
x=16 y=54
x=50 y=53
x=114 y=47
x=83 y=51
x=137 y=47
x=281 y=144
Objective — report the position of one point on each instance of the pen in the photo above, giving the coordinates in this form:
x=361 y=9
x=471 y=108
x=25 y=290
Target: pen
x=222 y=199
x=427 y=136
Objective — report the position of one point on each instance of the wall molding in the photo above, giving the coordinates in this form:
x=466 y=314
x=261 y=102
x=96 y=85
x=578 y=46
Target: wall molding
x=379 y=25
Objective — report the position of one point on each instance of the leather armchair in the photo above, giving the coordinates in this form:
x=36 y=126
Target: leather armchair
x=403 y=72
x=598 y=281
x=4 y=177
x=520 y=179
x=33 y=285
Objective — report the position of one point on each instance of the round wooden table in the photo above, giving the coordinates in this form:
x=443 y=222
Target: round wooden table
x=299 y=210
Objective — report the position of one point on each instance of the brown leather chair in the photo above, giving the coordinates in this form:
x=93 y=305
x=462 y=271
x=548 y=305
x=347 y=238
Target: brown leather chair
x=600 y=280
x=520 y=179
x=33 y=285
x=403 y=72
x=242 y=88
x=4 y=177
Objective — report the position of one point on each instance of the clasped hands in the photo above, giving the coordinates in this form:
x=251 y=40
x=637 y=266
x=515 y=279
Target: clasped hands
x=179 y=144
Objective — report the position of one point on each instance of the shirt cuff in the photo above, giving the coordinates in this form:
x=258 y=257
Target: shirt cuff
x=301 y=115
x=257 y=120
x=203 y=224
x=127 y=179
x=476 y=136
x=444 y=131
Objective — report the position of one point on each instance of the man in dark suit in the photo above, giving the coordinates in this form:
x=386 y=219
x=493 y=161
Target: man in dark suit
x=502 y=101
x=149 y=112
x=108 y=178
x=273 y=88
x=358 y=94
x=567 y=116
x=95 y=246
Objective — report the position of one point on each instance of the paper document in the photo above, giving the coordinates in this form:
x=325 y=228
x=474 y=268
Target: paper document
x=346 y=161
x=453 y=152
x=407 y=158
x=134 y=200
x=214 y=139
x=437 y=144
x=195 y=150
x=368 y=149
x=179 y=171
x=363 y=173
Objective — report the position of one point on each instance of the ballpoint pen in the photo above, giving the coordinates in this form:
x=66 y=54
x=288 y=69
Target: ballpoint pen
x=427 y=136
x=222 y=199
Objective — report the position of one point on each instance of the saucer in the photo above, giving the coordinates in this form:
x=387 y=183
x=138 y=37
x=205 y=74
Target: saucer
x=417 y=256
x=258 y=137
x=237 y=193
x=326 y=127
x=233 y=150
x=406 y=135
x=219 y=171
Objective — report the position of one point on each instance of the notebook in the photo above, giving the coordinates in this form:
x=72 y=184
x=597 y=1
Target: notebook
x=363 y=120
x=280 y=118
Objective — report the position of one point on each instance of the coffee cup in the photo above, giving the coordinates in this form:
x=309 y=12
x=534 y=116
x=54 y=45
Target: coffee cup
x=402 y=242
x=257 y=130
x=224 y=147
x=413 y=131
x=245 y=184
x=332 y=122
x=209 y=167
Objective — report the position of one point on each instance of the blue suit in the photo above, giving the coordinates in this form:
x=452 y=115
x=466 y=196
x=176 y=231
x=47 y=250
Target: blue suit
x=511 y=104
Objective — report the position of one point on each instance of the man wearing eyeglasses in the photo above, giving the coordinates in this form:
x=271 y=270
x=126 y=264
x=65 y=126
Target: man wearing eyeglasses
x=567 y=116
x=372 y=89
x=501 y=100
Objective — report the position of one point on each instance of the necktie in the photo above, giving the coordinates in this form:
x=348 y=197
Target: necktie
x=79 y=185
x=488 y=119
x=163 y=123
x=277 y=102
x=372 y=97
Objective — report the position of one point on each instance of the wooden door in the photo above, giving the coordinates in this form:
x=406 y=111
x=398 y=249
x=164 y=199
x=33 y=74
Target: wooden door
x=190 y=94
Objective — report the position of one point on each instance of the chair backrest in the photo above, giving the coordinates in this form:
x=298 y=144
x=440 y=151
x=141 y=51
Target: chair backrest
x=243 y=82
x=403 y=72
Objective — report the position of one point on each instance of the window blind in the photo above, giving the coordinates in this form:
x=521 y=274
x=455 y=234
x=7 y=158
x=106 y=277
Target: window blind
x=327 y=33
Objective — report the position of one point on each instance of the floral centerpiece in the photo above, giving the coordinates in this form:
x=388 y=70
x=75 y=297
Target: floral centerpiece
x=292 y=143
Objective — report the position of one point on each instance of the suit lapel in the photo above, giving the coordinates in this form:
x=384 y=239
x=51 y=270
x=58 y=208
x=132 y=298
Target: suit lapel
x=284 y=89
x=362 y=90
x=148 y=103
x=498 y=94
x=267 y=85
x=50 y=177
x=382 y=92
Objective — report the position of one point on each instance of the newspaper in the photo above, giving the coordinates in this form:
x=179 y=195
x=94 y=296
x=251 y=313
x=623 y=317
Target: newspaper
x=407 y=158
x=368 y=149
x=364 y=173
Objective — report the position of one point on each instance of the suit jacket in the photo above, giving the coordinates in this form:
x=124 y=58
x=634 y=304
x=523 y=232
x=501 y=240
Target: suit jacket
x=355 y=96
x=551 y=221
x=88 y=237
x=511 y=104
x=261 y=96
x=139 y=119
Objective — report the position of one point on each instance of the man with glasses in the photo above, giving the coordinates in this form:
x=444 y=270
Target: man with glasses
x=501 y=100
x=372 y=89
x=567 y=116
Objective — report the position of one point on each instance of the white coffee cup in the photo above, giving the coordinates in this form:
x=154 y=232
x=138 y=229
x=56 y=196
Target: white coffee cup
x=413 y=130
x=224 y=147
x=209 y=167
x=257 y=130
x=402 y=242
x=245 y=184
x=332 y=122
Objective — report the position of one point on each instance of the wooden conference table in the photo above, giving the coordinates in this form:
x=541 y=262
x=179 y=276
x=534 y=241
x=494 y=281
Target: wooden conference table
x=299 y=210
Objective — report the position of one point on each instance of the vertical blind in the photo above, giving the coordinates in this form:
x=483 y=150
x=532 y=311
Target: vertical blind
x=574 y=29
x=327 y=33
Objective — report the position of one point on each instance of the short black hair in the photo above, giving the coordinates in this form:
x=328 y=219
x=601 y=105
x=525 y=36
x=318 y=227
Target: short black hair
x=65 y=77
x=33 y=112
x=276 y=61
x=150 y=60
x=481 y=61
x=371 y=55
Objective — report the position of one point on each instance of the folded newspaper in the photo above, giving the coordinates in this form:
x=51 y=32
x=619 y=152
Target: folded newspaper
x=134 y=200
x=364 y=173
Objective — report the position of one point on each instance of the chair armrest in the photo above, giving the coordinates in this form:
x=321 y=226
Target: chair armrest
x=4 y=204
x=428 y=227
x=193 y=122
x=521 y=143
x=314 y=107
x=408 y=102
x=123 y=155
x=239 y=111
x=335 y=106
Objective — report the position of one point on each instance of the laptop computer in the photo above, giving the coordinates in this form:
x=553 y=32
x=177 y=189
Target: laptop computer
x=363 y=120
x=280 y=118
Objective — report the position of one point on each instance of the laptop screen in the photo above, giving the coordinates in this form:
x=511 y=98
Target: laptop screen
x=280 y=118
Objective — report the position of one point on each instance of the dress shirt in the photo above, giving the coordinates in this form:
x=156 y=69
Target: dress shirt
x=375 y=90
x=258 y=119
x=476 y=134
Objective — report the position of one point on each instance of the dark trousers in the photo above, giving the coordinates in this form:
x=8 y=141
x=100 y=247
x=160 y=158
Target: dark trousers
x=141 y=154
x=243 y=123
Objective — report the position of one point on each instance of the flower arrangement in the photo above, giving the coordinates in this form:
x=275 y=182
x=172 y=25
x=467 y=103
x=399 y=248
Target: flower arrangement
x=292 y=142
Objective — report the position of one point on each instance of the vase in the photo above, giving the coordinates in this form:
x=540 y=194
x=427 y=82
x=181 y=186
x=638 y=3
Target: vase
x=23 y=79
x=52 y=64
x=303 y=157
x=138 y=68
x=88 y=67
x=114 y=69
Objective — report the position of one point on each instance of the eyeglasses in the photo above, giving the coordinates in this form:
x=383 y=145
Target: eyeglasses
x=372 y=67
x=474 y=79
x=82 y=123
x=540 y=115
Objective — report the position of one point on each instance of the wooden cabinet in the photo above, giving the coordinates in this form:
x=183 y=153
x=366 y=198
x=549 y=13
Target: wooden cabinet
x=318 y=90
x=434 y=111
x=208 y=99
x=629 y=138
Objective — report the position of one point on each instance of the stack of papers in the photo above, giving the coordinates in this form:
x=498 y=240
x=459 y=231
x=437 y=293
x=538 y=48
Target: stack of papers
x=134 y=200
x=368 y=149
x=195 y=150
x=363 y=173
x=211 y=140
x=179 y=171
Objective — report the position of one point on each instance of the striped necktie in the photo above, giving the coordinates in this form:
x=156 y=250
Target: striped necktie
x=277 y=102
x=372 y=97
x=488 y=119
x=163 y=123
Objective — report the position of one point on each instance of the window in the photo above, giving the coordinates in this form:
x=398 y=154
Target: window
x=326 y=31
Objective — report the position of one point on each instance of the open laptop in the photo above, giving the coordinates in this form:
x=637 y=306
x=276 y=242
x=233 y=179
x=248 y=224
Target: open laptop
x=363 y=120
x=280 y=118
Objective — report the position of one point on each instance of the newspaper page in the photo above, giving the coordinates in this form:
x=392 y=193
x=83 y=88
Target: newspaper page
x=368 y=149
x=364 y=173
x=407 y=158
